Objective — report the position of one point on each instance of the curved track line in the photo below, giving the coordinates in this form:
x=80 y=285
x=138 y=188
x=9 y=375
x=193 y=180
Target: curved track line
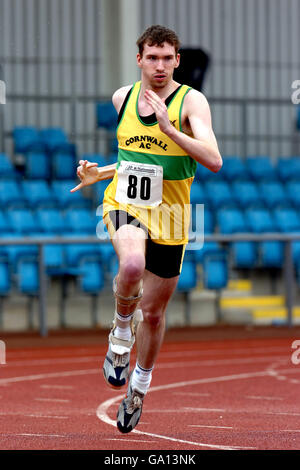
x=103 y=407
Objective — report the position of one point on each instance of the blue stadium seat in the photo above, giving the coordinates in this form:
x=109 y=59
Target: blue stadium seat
x=5 y=225
x=261 y=168
x=199 y=250
x=271 y=254
x=209 y=222
x=219 y=194
x=37 y=165
x=287 y=220
x=215 y=270
x=273 y=194
x=106 y=116
x=51 y=221
x=246 y=194
x=260 y=220
x=98 y=191
x=53 y=138
x=188 y=276
x=53 y=256
x=28 y=277
x=5 y=277
x=27 y=139
x=197 y=194
x=91 y=277
x=244 y=254
x=81 y=221
x=15 y=253
x=231 y=220
x=63 y=165
x=293 y=193
x=11 y=194
x=23 y=221
x=234 y=169
x=37 y=193
x=7 y=169
x=76 y=253
x=288 y=168
x=107 y=253
x=67 y=199
x=91 y=282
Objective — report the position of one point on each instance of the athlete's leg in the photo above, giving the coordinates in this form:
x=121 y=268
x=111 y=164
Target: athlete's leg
x=150 y=332
x=129 y=244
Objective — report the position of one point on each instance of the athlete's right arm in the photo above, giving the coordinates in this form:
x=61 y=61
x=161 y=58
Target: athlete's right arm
x=88 y=172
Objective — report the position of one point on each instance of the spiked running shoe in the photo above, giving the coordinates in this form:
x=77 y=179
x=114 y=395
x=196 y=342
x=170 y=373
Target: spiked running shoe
x=130 y=410
x=116 y=363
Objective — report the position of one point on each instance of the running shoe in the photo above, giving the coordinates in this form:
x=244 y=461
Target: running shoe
x=130 y=410
x=116 y=362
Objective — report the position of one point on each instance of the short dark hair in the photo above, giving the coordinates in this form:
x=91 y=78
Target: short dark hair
x=156 y=35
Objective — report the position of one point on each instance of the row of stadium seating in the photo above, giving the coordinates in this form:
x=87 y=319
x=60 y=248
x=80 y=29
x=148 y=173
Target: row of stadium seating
x=213 y=194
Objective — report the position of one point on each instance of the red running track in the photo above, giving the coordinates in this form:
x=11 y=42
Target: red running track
x=218 y=391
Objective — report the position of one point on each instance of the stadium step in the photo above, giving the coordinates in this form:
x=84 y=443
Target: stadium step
x=251 y=302
x=260 y=310
x=274 y=315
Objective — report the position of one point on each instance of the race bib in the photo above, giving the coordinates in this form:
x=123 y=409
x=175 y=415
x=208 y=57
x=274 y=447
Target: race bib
x=139 y=184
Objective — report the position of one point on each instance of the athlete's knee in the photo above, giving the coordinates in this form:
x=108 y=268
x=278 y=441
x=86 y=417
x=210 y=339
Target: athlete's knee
x=154 y=318
x=132 y=267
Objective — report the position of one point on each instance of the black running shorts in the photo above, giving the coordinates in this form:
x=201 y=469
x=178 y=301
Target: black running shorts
x=163 y=260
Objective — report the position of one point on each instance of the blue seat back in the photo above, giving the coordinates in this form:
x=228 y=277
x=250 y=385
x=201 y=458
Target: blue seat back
x=92 y=277
x=215 y=270
x=188 y=276
x=260 y=220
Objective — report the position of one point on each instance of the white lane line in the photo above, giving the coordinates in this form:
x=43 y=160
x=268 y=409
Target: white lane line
x=39 y=435
x=60 y=387
x=27 y=378
x=104 y=407
x=204 y=410
x=129 y=440
x=183 y=410
x=205 y=426
x=192 y=394
x=44 y=416
x=56 y=400
x=253 y=397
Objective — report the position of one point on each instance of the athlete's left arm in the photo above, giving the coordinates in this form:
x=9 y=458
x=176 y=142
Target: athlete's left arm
x=203 y=145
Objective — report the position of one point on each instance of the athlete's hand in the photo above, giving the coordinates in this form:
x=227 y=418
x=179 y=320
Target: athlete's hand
x=88 y=174
x=160 y=109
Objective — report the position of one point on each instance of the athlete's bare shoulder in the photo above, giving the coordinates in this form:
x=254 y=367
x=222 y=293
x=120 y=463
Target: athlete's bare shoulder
x=119 y=96
x=196 y=98
x=195 y=103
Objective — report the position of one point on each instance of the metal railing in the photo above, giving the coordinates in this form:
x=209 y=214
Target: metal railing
x=288 y=265
x=243 y=137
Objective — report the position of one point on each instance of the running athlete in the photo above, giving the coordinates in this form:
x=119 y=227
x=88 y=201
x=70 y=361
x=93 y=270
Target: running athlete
x=164 y=129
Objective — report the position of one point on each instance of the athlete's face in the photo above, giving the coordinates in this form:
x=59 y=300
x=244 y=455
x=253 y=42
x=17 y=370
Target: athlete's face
x=157 y=64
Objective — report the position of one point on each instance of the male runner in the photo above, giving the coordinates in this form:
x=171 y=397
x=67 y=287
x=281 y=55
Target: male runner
x=164 y=129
